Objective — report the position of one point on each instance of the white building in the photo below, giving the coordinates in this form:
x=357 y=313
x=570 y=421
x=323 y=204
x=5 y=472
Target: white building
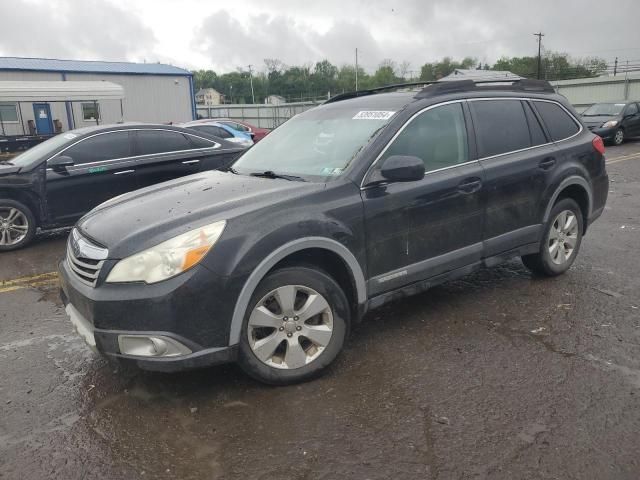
x=479 y=75
x=275 y=100
x=208 y=97
x=153 y=93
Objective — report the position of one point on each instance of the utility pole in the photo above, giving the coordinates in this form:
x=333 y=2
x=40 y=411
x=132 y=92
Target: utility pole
x=539 y=35
x=253 y=98
x=615 y=67
x=356 y=69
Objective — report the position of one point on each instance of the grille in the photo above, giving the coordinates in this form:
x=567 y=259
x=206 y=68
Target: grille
x=85 y=259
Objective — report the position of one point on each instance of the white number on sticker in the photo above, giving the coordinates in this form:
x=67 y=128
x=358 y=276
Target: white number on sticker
x=373 y=115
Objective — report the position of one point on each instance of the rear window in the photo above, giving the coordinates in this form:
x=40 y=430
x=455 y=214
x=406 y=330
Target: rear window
x=558 y=121
x=501 y=126
x=160 y=141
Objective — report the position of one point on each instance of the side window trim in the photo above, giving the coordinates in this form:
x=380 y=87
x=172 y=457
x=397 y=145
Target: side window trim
x=131 y=132
x=97 y=162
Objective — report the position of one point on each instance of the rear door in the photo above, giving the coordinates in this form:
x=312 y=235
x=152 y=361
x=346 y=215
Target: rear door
x=517 y=159
x=416 y=230
x=167 y=154
x=103 y=168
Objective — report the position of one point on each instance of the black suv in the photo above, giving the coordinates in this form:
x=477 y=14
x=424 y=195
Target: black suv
x=56 y=182
x=365 y=199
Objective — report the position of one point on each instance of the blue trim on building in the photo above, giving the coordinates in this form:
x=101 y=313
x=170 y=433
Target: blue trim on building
x=194 y=113
x=83 y=66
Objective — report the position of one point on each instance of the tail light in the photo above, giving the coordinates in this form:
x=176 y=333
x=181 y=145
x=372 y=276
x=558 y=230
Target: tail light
x=598 y=144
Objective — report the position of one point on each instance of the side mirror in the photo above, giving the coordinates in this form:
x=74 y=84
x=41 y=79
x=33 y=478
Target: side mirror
x=60 y=162
x=402 y=168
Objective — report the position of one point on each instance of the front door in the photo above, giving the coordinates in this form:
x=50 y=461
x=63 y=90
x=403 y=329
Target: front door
x=42 y=113
x=416 y=230
x=103 y=168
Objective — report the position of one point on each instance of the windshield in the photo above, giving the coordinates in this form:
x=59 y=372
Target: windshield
x=318 y=143
x=43 y=150
x=604 y=109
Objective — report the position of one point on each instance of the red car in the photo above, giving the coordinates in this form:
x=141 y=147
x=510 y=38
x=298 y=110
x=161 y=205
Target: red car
x=256 y=133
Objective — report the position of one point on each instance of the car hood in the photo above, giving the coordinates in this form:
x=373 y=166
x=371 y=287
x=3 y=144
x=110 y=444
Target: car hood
x=598 y=120
x=143 y=218
x=7 y=169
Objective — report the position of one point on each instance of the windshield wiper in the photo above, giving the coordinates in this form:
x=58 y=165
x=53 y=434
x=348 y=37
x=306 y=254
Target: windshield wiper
x=272 y=174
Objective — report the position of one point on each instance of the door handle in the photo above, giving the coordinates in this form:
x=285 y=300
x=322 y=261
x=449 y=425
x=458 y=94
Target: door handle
x=189 y=162
x=471 y=185
x=123 y=172
x=547 y=163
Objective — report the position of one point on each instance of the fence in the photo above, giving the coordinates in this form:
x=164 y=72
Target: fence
x=586 y=91
x=259 y=115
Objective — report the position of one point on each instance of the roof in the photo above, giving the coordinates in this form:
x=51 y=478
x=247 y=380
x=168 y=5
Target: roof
x=88 y=66
x=472 y=74
x=59 y=91
x=204 y=91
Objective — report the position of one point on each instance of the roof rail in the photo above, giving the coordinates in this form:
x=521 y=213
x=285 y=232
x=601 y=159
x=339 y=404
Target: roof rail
x=371 y=91
x=433 y=89
x=524 y=84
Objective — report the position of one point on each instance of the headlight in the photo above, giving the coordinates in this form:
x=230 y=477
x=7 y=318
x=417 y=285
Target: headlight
x=610 y=123
x=169 y=258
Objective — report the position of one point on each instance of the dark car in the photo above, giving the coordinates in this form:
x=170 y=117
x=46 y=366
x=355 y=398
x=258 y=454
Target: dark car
x=614 y=122
x=56 y=182
x=271 y=262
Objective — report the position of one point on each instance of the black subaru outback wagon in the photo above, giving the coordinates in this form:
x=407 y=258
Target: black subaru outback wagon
x=365 y=199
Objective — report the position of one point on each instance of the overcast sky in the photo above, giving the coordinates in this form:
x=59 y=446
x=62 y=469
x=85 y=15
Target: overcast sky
x=226 y=35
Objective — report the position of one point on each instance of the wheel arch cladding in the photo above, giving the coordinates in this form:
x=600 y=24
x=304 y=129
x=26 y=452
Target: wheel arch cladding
x=290 y=251
x=578 y=189
x=25 y=199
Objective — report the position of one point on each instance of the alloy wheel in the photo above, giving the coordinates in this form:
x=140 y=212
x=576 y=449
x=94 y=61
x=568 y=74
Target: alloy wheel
x=14 y=226
x=619 y=137
x=563 y=237
x=290 y=327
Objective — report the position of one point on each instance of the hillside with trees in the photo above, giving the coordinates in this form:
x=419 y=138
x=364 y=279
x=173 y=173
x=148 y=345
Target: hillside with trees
x=314 y=82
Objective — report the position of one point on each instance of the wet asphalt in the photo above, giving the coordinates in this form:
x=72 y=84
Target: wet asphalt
x=499 y=375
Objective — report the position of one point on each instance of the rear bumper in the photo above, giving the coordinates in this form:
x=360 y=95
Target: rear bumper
x=103 y=317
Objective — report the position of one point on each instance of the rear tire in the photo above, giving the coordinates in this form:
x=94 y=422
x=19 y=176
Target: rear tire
x=17 y=225
x=560 y=241
x=294 y=327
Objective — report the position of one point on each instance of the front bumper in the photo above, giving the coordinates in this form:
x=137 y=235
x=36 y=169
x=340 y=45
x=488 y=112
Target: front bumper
x=604 y=133
x=177 y=310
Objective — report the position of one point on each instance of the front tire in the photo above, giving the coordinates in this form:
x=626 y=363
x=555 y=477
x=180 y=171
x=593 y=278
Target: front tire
x=560 y=241
x=295 y=326
x=618 y=137
x=17 y=225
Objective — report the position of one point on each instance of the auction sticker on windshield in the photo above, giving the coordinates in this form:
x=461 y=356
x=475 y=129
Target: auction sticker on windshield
x=373 y=115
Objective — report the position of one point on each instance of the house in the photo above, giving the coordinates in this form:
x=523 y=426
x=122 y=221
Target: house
x=479 y=75
x=152 y=93
x=208 y=97
x=275 y=100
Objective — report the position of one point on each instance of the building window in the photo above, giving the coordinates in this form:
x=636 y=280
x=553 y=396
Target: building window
x=8 y=113
x=90 y=112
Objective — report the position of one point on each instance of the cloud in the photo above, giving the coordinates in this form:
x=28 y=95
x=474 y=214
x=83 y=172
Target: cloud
x=227 y=35
x=87 y=29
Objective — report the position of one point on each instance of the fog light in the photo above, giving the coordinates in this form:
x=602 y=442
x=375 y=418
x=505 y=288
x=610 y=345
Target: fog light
x=151 y=346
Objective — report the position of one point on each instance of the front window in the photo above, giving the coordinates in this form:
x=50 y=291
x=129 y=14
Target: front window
x=319 y=143
x=604 y=109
